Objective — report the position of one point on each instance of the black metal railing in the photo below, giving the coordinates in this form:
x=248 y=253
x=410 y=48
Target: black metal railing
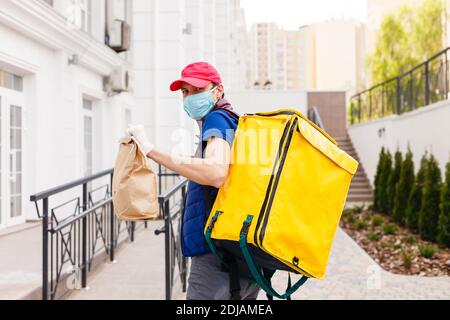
x=314 y=116
x=77 y=231
x=423 y=85
x=171 y=203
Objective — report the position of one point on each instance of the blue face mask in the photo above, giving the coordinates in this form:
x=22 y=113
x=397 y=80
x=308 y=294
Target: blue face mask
x=198 y=105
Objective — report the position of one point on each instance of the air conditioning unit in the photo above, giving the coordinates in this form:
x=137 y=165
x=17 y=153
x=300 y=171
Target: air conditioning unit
x=118 y=81
x=119 y=35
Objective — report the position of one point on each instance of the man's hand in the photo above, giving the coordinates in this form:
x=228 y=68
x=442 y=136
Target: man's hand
x=138 y=133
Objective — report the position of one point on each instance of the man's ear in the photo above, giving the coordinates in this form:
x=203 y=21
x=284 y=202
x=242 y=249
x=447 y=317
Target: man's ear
x=221 y=90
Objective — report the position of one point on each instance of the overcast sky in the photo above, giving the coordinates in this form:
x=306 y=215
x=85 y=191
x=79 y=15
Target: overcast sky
x=294 y=13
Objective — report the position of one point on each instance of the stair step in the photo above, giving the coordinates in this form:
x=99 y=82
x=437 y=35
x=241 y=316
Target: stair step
x=360 y=179
x=341 y=139
x=345 y=144
x=358 y=184
x=354 y=198
x=360 y=188
x=360 y=174
x=360 y=192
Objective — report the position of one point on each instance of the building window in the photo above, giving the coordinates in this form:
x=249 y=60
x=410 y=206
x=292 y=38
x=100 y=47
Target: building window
x=87 y=137
x=80 y=14
x=86 y=15
x=11 y=81
x=16 y=160
x=49 y=2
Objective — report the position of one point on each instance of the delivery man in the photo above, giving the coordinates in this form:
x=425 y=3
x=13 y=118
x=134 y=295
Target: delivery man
x=203 y=99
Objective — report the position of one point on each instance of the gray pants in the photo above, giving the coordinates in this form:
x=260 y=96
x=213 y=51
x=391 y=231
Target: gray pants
x=207 y=281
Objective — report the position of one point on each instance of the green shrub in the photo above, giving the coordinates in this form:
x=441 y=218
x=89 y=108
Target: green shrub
x=377 y=181
x=371 y=207
x=366 y=217
x=349 y=216
x=384 y=182
x=415 y=197
x=403 y=189
x=394 y=178
x=387 y=245
x=409 y=239
x=377 y=220
x=444 y=216
x=372 y=236
x=426 y=250
x=360 y=225
x=390 y=228
x=407 y=259
x=358 y=209
x=429 y=212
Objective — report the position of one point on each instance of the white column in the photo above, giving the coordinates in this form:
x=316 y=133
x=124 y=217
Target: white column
x=195 y=41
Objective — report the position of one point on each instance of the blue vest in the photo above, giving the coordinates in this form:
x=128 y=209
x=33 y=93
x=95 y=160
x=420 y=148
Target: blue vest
x=195 y=214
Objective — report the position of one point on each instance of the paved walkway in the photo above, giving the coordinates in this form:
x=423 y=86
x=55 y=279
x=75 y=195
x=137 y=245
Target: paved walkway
x=351 y=274
x=21 y=263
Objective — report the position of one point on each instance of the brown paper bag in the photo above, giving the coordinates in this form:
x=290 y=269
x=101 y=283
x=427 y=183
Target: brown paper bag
x=134 y=184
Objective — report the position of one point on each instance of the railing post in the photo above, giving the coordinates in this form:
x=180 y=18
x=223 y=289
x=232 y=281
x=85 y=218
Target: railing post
x=159 y=178
x=446 y=75
x=399 y=100
x=111 y=225
x=167 y=235
x=183 y=258
x=84 y=239
x=45 y=249
x=412 y=105
x=359 y=108
x=427 y=84
x=133 y=224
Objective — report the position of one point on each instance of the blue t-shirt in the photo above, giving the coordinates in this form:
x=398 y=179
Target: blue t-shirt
x=217 y=123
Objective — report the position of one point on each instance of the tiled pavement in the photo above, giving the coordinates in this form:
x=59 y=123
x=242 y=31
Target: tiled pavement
x=351 y=274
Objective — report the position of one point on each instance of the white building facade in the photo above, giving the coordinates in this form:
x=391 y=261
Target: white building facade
x=78 y=71
x=167 y=36
x=63 y=94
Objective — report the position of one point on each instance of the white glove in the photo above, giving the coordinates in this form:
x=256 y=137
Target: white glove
x=138 y=133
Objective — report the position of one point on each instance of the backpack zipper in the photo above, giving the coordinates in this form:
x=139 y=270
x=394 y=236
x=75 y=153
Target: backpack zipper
x=277 y=179
x=272 y=177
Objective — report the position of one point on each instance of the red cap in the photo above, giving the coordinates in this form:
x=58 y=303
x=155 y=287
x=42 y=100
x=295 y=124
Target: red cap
x=198 y=74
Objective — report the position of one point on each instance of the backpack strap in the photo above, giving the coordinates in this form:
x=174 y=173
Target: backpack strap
x=234 y=274
x=255 y=271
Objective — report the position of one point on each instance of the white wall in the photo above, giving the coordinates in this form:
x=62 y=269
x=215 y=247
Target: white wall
x=260 y=101
x=427 y=128
x=53 y=92
x=336 y=71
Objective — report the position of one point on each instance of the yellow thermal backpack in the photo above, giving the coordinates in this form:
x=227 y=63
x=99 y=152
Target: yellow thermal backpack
x=281 y=203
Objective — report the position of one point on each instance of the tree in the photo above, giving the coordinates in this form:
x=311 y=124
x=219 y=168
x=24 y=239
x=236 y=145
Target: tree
x=405 y=39
x=428 y=29
x=403 y=188
x=393 y=181
x=429 y=211
x=415 y=197
x=384 y=180
x=444 y=216
x=376 y=196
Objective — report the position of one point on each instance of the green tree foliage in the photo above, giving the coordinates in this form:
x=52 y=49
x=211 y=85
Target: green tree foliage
x=429 y=212
x=405 y=39
x=415 y=197
x=393 y=180
x=403 y=188
x=384 y=182
x=378 y=174
x=444 y=217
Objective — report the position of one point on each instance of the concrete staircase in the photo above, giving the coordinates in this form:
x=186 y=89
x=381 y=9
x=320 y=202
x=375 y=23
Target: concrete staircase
x=360 y=188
